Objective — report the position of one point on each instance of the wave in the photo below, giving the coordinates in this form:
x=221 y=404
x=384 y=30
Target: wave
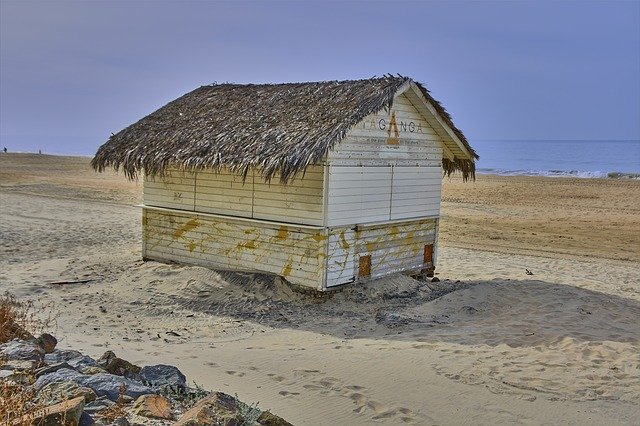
x=560 y=173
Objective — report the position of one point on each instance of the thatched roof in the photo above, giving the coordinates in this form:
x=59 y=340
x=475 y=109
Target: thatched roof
x=275 y=128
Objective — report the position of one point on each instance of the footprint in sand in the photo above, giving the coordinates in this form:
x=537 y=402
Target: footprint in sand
x=316 y=381
x=287 y=393
x=354 y=388
x=235 y=373
x=277 y=378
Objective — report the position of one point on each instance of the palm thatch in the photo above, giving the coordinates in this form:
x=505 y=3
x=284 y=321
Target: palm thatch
x=274 y=128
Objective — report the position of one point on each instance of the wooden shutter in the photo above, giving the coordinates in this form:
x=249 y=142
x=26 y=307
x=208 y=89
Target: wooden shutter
x=428 y=253
x=364 y=266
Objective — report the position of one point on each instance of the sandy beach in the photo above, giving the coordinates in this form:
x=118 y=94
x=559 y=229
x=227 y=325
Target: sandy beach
x=488 y=344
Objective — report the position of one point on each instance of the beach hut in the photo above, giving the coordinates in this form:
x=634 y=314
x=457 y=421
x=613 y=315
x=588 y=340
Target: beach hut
x=322 y=183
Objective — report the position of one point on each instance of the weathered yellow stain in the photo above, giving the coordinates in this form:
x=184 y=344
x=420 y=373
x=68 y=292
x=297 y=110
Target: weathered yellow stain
x=319 y=237
x=191 y=246
x=409 y=239
x=343 y=241
x=283 y=233
x=394 y=230
x=248 y=244
x=370 y=247
x=286 y=271
x=188 y=226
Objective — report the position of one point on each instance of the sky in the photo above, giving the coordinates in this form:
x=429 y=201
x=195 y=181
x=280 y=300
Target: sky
x=71 y=73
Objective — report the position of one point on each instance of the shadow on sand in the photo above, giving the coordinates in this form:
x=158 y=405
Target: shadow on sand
x=512 y=312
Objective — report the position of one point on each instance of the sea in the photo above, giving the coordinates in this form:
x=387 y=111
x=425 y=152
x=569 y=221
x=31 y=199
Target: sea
x=559 y=158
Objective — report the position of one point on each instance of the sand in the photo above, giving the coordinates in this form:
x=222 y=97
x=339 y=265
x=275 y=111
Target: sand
x=489 y=344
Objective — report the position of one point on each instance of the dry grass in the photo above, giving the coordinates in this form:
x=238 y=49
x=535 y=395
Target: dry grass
x=23 y=319
x=20 y=320
x=16 y=403
x=116 y=411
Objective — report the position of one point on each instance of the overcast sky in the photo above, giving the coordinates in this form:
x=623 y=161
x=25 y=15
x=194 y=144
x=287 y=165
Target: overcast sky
x=73 y=72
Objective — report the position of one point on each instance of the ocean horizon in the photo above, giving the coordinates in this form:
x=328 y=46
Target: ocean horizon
x=559 y=158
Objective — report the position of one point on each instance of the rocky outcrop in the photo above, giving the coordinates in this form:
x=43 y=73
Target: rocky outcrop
x=103 y=384
x=118 y=366
x=216 y=408
x=163 y=376
x=55 y=392
x=22 y=350
x=267 y=418
x=67 y=387
x=153 y=407
x=65 y=413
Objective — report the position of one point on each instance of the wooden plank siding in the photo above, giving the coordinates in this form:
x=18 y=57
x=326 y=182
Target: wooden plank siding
x=295 y=253
x=415 y=192
x=358 y=195
x=301 y=201
x=174 y=190
x=224 y=193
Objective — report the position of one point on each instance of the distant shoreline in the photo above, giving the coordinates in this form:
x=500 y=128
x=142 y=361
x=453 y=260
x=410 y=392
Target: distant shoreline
x=482 y=171
x=561 y=174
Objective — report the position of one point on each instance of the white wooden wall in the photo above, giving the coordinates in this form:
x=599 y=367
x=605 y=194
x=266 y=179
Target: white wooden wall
x=371 y=180
x=415 y=192
x=225 y=193
x=393 y=248
x=173 y=191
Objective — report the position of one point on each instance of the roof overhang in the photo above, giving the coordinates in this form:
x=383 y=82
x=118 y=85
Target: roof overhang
x=452 y=146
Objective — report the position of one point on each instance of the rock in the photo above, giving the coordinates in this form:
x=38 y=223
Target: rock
x=98 y=405
x=51 y=368
x=267 y=418
x=217 y=408
x=86 y=420
x=83 y=363
x=469 y=309
x=153 y=407
x=162 y=376
x=64 y=413
x=120 y=421
x=55 y=392
x=17 y=377
x=103 y=384
x=92 y=370
x=47 y=342
x=108 y=385
x=61 y=375
x=393 y=319
x=118 y=366
x=19 y=365
x=22 y=350
x=61 y=355
x=78 y=361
